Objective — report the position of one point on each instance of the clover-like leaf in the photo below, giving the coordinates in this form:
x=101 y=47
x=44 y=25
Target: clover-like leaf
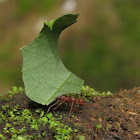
x=44 y=75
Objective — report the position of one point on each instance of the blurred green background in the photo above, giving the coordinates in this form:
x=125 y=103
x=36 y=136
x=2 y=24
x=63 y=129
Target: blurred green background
x=103 y=47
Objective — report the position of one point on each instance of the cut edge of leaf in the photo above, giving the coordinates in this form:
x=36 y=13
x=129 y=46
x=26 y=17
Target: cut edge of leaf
x=51 y=24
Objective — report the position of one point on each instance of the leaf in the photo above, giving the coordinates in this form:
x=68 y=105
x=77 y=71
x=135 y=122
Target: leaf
x=44 y=75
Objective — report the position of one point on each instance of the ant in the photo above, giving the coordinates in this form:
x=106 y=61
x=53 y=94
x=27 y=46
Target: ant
x=68 y=100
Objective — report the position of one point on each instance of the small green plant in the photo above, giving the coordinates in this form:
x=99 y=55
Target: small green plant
x=62 y=131
x=15 y=90
x=89 y=93
x=5 y=98
x=2 y=137
x=34 y=124
x=80 y=137
x=5 y=107
x=98 y=126
x=21 y=138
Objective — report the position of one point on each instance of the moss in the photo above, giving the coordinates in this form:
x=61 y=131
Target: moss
x=11 y=119
x=16 y=122
x=20 y=118
x=87 y=93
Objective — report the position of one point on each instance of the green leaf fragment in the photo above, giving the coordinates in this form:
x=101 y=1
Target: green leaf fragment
x=44 y=75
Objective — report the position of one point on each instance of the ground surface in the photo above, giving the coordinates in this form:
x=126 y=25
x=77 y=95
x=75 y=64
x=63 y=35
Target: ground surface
x=113 y=117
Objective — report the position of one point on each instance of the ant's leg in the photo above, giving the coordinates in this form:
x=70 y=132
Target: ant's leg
x=71 y=109
x=51 y=106
x=59 y=105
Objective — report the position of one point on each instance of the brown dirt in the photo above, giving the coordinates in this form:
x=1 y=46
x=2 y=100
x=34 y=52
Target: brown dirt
x=115 y=117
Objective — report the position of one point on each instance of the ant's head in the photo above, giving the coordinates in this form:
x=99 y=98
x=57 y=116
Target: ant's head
x=63 y=98
x=80 y=102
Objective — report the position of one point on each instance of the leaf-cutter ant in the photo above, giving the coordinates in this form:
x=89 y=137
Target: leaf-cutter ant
x=69 y=100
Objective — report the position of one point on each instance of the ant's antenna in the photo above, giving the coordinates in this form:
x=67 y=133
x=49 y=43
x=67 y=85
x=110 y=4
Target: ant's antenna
x=52 y=106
